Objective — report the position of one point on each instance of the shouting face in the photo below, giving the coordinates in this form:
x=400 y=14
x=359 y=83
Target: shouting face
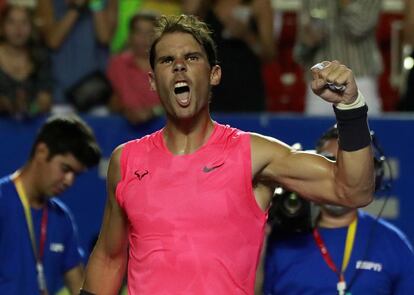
x=183 y=76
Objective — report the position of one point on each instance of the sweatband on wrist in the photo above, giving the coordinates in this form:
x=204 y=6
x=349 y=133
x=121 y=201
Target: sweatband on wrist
x=353 y=130
x=83 y=292
x=359 y=102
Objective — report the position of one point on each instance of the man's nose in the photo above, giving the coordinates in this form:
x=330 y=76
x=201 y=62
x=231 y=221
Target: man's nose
x=179 y=65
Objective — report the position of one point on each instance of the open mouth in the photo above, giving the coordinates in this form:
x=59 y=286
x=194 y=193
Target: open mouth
x=182 y=92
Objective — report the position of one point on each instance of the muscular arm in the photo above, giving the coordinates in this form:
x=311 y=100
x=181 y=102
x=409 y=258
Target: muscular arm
x=54 y=32
x=106 y=266
x=73 y=279
x=105 y=22
x=350 y=180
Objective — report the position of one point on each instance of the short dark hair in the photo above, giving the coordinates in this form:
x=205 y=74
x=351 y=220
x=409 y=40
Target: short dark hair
x=331 y=133
x=69 y=135
x=185 y=24
x=142 y=15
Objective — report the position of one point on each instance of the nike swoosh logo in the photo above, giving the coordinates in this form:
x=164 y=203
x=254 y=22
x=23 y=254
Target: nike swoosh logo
x=209 y=169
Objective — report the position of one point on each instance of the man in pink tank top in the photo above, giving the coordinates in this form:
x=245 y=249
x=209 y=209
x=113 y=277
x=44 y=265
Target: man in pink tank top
x=187 y=204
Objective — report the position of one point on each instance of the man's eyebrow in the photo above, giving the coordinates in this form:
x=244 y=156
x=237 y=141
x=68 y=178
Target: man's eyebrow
x=199 y=54
x=194 y=53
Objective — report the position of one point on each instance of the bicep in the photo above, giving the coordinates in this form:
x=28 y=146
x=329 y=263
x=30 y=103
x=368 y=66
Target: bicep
x=306 y=173
x=310 y=175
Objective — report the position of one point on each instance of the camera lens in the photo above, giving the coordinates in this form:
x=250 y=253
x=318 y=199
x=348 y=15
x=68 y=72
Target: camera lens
x=292 y=204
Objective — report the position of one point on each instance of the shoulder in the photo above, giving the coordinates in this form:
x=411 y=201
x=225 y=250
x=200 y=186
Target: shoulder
x=263 y=141
x=5 y=184
x=61 y=210
x=266 y=149
x=5 y=180
x=227 y=131
x=124 y=152
x=136 y=144
x=58 y=206
x=389 y=232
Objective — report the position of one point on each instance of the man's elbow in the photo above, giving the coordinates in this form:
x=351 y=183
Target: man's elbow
x=356 y=197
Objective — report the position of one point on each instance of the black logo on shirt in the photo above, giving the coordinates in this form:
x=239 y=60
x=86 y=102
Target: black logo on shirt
x=141 y=173
x=208 y=169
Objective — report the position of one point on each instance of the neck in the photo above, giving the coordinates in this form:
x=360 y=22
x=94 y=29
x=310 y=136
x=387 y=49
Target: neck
x=329 y=221
x=28 y=180
x=186 y=136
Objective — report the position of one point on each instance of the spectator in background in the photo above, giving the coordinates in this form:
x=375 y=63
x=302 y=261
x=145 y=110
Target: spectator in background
x=366 y=254
x=407 y=100
x=38 y=237
x=78 y=33
x=127 y=9
x=2 y=4
x=243 y=32
x=128 y=73
x=341 y=30
x=25 y=79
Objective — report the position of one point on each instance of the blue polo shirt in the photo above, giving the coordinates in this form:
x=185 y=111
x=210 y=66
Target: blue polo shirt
x=382 y=262
x=17 y=262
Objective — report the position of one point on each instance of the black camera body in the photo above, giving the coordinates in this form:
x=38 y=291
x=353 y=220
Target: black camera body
x=290 y=213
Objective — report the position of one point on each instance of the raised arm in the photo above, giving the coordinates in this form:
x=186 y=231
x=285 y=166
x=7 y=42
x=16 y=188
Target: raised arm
x=409 y=23
x=107 y=263
x=263 y=12
x=105 y=20
x=350 y=180
x=54 y=31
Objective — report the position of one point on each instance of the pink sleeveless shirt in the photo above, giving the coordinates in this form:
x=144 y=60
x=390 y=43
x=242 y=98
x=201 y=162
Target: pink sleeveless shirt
x=194 y=224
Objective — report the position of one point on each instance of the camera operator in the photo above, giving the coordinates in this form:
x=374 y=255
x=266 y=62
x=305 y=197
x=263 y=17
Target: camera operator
x=347 y=251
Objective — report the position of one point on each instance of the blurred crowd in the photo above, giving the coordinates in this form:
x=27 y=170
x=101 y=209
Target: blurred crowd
x=91 y=56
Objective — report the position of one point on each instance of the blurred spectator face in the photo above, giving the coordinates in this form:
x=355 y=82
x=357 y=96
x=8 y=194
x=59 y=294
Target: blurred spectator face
x=141 y=37
x=17 y=26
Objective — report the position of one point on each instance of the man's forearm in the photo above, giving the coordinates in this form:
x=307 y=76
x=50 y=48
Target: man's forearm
x=104 y=275
x=355 y=160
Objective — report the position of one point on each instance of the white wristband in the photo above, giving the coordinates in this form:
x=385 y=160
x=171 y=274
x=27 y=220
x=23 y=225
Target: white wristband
x=359 y=102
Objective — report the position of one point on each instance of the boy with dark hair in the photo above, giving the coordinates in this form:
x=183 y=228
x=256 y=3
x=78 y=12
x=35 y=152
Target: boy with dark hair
x=38 y=236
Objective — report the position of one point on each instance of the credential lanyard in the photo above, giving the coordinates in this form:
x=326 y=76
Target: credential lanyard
x=41 y=279
x=349 y=244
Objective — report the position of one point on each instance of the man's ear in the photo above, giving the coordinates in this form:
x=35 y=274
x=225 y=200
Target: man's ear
x=215 y=75
x=41 y=151
x=152 y=81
